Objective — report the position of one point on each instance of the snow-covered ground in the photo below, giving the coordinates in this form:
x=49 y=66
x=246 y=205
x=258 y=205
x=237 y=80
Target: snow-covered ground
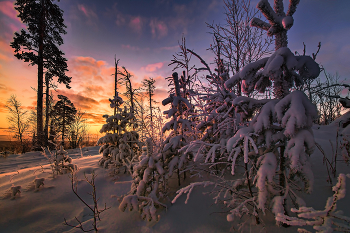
x=44 y=210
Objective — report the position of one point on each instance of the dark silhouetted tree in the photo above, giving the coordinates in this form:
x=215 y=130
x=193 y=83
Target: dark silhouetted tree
x=38 y=45
x=64 y=115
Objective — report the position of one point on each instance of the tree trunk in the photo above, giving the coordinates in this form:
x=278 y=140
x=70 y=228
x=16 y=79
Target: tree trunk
x=63 y=122
x=115 y=88
x=47 y=108
x=39 y=109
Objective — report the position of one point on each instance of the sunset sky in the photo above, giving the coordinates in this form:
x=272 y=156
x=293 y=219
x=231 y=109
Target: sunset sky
x=144 y=35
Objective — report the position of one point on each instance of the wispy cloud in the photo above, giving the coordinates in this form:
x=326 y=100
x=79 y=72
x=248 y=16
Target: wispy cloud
x=79 y=100
x=7 y=8
x=87 y=68
x=153 y=67
x=6 y=89
x=158 y=28
x=169 y=48
x=94 y=118
x=89 y=14
x=5 y=47
x=136 y=24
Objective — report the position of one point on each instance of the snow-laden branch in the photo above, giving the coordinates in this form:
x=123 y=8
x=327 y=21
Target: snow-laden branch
x=188 y=189
x=325 y=220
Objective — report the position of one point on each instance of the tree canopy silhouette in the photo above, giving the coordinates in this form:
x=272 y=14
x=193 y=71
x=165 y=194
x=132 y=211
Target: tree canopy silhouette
x=38 y=45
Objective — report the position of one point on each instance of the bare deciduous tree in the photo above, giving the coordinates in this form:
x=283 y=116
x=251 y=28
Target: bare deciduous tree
x=77 y=130
x=237 y=42
x=18 y=120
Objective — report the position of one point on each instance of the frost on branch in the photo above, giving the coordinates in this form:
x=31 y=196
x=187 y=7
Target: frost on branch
x=246 y=106
x=328 y=220
x=266 y=117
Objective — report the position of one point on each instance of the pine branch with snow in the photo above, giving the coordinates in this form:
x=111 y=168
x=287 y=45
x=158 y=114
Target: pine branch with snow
x=148 y=186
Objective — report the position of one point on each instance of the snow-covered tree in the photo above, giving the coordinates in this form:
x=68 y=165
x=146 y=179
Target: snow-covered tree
x=122 y=147
x=178 y=125
x=274 y=139
x=278 y=139
x=148 y=185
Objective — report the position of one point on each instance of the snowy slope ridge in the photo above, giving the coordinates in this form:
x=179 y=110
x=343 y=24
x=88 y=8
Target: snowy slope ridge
x=44 y=210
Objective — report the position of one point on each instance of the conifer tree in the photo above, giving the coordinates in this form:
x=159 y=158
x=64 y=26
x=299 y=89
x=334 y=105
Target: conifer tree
x=64 y=114
x=38 y=45
x=120 y=146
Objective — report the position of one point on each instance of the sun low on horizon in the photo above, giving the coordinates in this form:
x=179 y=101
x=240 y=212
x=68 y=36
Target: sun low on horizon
x=144 y=35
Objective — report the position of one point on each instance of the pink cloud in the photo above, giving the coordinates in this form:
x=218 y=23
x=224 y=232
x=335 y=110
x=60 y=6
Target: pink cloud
x=87 y=12
x=80 y=100
x=91 y=16
x=158 y=28
x=7 y=8
x=136 y=24
x=153 y=67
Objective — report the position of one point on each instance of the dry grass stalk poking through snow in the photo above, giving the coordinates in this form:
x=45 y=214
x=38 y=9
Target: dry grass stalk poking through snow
x=94 y=209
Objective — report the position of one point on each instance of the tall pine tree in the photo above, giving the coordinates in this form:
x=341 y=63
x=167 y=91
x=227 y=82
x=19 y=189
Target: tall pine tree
x=38 y=45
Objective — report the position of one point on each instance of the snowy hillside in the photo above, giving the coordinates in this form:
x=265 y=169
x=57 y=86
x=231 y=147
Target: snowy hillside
x=44 y=210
